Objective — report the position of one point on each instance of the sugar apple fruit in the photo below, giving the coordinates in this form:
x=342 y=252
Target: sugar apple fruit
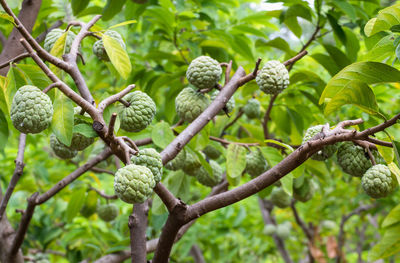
x=207 y=179
x=134 y=183
x=151 y=159
x=303 y=189
x=98 y=47
x=178 y=162
x=211 y=152
x=354 y=160
x=54 y=35
x=107 y=212
x=283 y=231
x=60 y=149
x=79 y=141
x=255 y=163
x=326 y=151
x=269 y=229
x=189 y=104
x=252 y=109
x=204 y=72
x=378 y=182
x=31 y=110
x=280 y=198
x=273 y=78
x=140 y=112
x=230 y=105
x=191 y=164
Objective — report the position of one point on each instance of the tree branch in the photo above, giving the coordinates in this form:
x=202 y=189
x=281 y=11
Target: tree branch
x=19 y=167
x=300 y=222
x=104 y=195
x=137 y=225
x=197 y=254
x=14 y=60
x=114 y=98
x=267 y=116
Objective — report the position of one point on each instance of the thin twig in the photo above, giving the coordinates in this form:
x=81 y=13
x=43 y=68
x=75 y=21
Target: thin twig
x=100 y=170
x=52 y=85
x=379 y=142
x=114 y=98
x=228 y=71
x=295 y=58
x=124 y=102
x=238 y=115
x=15 y=60
x=113 y=118
x=267 y=116
x=104 y=195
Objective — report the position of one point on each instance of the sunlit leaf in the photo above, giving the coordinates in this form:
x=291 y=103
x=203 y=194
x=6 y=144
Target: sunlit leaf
x=386 y=18
x=118 y=56
x=63 y=122
x=162 y=135
x=235 y=163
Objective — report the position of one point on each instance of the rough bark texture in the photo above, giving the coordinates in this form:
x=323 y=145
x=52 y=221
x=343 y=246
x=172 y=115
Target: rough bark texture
x=138 y=225
x=13 y=47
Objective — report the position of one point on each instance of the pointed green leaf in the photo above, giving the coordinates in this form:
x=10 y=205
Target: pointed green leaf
x=235 y=163
x=79 y=5
x=287 y=146
x=287 y=183
x=204 y=162
x=162 y=135
x=395 y=170
x=63 y=122
x=368 y=72
x=387 y=246
x=392 y=218
x=112 y=8
x=354 y=92
x=75 y=203
x=3 y=131
x=386 y=18
x=85 y=129
x=118 y=56
x=5 y=16
x=36 y=76
x=122 y=24
x=3 y=96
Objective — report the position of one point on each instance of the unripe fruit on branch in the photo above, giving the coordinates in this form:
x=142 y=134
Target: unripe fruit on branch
x=230 y=105
x=107 y=212
x=31 y=110
x=273 y=78
x=151 y=159
x=207 y=179
x=255 y=163
x=203 y=72
x=140 y=112
x=60 y=149
x=189 y=104
x=134 y=183
x=378 y=182
x=54 y=35
x=252 y=109
x=280 y=198
x=98 y=46
x=326 y=151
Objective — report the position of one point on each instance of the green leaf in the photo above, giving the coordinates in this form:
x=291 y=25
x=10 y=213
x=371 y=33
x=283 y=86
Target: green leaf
x=287 y=183
x=287 y=146
x=163 y=17
x=381 y=50
x=293 y=25
x=337 y=29
x=235 y=163
x=386 y=18
x=5 y=16
x=79 y=5
x=122 y=24
x=395 y=170
x=3 y=131
x=85 y=129
x=203 y=162
x=337 y=56
x=118 y=56
x=368 y=72
x=354 y=92
x=75 y=204
x=386 y=152
x=167 y=4
x=63 y=122
x=36 y=76
x=3 y=96
x=388 y=245
x=347 y=8
x=162 y=135
x=327 y=62
x=9 y=88
x=392 y=218
x=112 y=8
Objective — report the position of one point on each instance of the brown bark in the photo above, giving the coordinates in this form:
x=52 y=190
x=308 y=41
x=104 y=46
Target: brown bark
x=13 y=47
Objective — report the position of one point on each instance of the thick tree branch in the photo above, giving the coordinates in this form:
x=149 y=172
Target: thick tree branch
x=19 y=167
x=137 y=226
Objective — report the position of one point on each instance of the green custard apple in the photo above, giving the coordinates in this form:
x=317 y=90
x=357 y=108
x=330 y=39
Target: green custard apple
x=326 y=151
x=354 y=160
x=255 y=163
x=273 y=78
x=79 y=142
x=280 y=198
x=107 y=212
x=60 y=149
x=230 y=105
x=140 y=112
x=31 y=110
x=134 y=184
x=54 y=35
x=378 y=182
x=191 y=164
x=269 y=229
x=303 y=189
x=283 y=231
x=151 y=159
x=204 y=72
x=189 y=104
x=252 y=109
x=207 y=179
x=178 y=162
x=98 y=47
x=211 y=152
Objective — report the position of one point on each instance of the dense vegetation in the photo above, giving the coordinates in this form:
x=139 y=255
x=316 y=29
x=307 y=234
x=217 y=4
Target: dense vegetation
x=280 y=192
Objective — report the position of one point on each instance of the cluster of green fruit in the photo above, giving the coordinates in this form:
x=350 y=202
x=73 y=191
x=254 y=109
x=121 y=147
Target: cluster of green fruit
x=281 y=230
x=376 y=180
x=38 y=258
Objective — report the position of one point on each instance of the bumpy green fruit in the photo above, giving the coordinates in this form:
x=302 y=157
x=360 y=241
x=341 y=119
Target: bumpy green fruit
x=230 y=105
x=354 y=160
x=140 y=112
x=191 y=164
x=377 y=181
x=134 y=183
x=255 y=163
x=31 y=110
x=178 y=162
x=107 y=212
x=269 y=229
x=280 y=198
x=203 y=72
x=283 y=231
x=303 y=189
x=98 y=47
x=54 y=35
x=151 y=159
x=252 y=109
x=60 y=149
x=326 y=151
x=211 y=152
x=189 y=104
x=273 y=78
x=79 y=142
x=207 y=179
